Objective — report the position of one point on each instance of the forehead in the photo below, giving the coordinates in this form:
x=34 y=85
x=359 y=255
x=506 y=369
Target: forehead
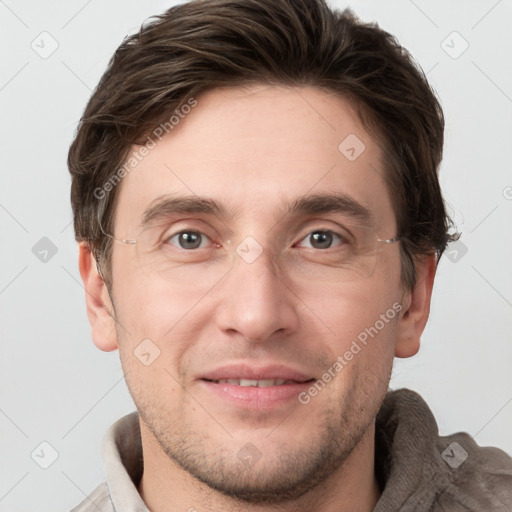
x=256 y=148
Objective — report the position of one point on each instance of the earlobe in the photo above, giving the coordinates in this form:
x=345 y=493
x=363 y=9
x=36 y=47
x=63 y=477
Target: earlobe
x=416 y=303
x=99 y=306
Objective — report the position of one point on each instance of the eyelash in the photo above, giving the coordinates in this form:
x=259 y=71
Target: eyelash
x=167 y=239
x=170 y=237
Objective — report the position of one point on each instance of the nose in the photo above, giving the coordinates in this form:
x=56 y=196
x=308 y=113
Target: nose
x=256 y=303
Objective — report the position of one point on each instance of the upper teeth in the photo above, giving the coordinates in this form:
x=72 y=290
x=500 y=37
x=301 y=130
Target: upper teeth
x=248 y=382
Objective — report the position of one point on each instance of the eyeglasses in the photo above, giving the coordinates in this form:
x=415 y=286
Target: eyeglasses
x=343 y=253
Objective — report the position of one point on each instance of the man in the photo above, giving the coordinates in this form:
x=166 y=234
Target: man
x=259 y=216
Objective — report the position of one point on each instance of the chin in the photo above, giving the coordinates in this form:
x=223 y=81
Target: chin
x=266 y=471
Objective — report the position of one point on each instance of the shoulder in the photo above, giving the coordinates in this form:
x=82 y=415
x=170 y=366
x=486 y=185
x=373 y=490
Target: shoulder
x=423 y=471
x=99 y=499
x=476 y=477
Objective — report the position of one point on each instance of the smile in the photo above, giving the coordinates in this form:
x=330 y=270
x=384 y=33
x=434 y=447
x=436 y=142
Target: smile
x=265 y=383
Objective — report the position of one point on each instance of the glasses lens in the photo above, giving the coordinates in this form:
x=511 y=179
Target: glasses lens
x=345 y=254
x=184 y=258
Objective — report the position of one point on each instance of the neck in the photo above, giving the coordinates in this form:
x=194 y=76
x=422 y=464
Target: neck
x=166 y=486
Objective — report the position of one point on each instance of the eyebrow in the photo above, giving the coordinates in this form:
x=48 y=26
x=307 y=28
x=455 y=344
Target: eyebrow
x=165 y=206
x=331 y=203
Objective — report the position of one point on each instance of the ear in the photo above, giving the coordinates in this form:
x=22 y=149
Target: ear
x=99 y=307
x=416 y=304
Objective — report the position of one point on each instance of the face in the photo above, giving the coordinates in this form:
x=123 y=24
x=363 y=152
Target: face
x=242 y=308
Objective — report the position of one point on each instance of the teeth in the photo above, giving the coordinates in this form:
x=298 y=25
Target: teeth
x=255 y=383
x=247 y=382
x=267 y=383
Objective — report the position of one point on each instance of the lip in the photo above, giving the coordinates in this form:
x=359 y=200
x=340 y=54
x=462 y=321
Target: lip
x=251 y=372
x=252 y=397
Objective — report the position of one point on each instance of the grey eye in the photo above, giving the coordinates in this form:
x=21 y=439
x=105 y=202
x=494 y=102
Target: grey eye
x=320 y=240
x=188 y=240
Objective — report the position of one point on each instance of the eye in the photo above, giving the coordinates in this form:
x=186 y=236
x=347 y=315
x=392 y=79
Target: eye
x=189 y=240
x=321 y=239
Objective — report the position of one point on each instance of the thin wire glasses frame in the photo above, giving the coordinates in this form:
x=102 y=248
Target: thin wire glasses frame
x=351 y=262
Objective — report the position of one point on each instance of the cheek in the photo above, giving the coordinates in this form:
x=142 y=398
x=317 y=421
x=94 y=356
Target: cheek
x=150 y=306
x=154 y=387
x=362 y=351
x=158 y=325
x=151 y=345
x=359 y=320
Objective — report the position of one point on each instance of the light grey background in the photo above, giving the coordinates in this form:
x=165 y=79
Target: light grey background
x=56 y=387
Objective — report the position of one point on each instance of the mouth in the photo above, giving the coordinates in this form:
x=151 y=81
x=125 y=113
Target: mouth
x=263 y=383
x=248 y=387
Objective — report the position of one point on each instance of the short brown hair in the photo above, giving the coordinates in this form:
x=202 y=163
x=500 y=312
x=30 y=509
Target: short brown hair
x=205 y=44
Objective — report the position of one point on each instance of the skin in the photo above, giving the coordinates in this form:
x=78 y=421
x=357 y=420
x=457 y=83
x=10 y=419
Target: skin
x=255 y=149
